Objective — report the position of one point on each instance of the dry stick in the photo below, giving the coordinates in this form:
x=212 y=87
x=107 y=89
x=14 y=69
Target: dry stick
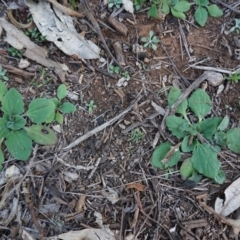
x=100 y=128
x=205 y=68
x=184 y=95
x=95 y=24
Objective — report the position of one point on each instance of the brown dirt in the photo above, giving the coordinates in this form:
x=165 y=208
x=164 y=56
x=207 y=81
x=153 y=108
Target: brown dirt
x=165 y=203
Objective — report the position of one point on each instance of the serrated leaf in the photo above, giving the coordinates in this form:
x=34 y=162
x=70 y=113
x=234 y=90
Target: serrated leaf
x=233 y=139
x=153 y=11
x=68 y=107
x=59 y=118
x=40 y=109
x=4 y=131
x=186 y=169
x=173 y=96
x=1 y=160
x=200 y=103
x=220 y=138
x=177 y=14
x=221 y=177
x=19 y=144
x=209 y=126
x=224 y=124
x=188 y=144
x=182 y=6
x=14 y=122
x=205 y=160
x=62 y=91
x=201 y=16
x=41 y=134
x=3 y=90
x=12 y=102
x=214 y=10
x=202 y=3
x=175 y=125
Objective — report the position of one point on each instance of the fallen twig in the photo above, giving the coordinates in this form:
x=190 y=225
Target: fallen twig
x=205 y=68
x=100 y=128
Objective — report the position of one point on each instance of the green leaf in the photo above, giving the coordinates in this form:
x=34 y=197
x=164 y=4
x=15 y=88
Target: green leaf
x=209 y=126
x=14 y=122
x=221 y=177
x=221 y=138
x=178 y=14
x=233 y=139
x=159 y=153
x=40 y=109
x=173 y=96
x=68 y=107
x=4 y=131
x=12 y=102
x=51 y=118
x=224 y=124
x=201 y=16
x=182 y=6
x=195 y=177
x=62 y=91
x=173 y=160
x=19 y=144
x=41 y=134
x=165 y=8
x=3 y=90
x=205 y=160
x=200 y=103
x=153 y=11
x=56 y=102
x=175 y=125
x=202 y=3
x=1 y=160
x=186 y=169
x=188 y=146
x=214 y=10
x=59 y=117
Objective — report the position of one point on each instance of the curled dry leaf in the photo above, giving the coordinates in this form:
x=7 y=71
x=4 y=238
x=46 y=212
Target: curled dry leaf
x=80 y=205
x=58 y=28
x=232 y=200
x=90 y=234
x=138 y=186
x=128 y=5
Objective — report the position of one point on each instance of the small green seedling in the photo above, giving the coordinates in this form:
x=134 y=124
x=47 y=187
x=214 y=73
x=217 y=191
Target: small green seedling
x=138 y=4
x=136 y=135
x=35 y=34
x=114 y=3
x=19 y=127
x=60 y=106
x=3 y=73
x=126 y=75
x=91 y=106
x=234 y=77
x=179 y=7
x=73 y=4
x=202 y=138
x=150 y=42
x=236 y=27
x=114 y=69
x=14 y=52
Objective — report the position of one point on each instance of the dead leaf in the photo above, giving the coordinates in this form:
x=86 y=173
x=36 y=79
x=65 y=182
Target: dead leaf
x=87 y=234
x=59 y=29
x=128 y=5
x=111 y=195
x=23 y=63
x=80 y=204
x=232 y=200
x=137 y=186
x=20 y=41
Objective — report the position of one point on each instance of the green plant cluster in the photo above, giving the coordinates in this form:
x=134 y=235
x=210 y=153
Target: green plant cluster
x=15 y=52
x=3 y=73
x=203 y=138
x=35 y=34
x=178 y=8
x=20 y=127
x=234 y=77
x=150 y=41
x=136 y=135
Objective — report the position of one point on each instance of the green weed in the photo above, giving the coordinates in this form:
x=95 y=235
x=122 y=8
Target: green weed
x=150 y=41
x=14 y=52
x=91 y=106
x=3 y=73
x=136 y=136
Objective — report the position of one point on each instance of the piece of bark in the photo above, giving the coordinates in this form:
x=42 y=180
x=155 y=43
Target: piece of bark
x=119 y=53
x=120 y=27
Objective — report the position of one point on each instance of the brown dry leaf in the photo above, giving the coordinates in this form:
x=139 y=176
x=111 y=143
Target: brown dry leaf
x=20 y=41
x=137 y=186
x=80 y=204
x=232 y=200
x=87 y=234
x=58 y=28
